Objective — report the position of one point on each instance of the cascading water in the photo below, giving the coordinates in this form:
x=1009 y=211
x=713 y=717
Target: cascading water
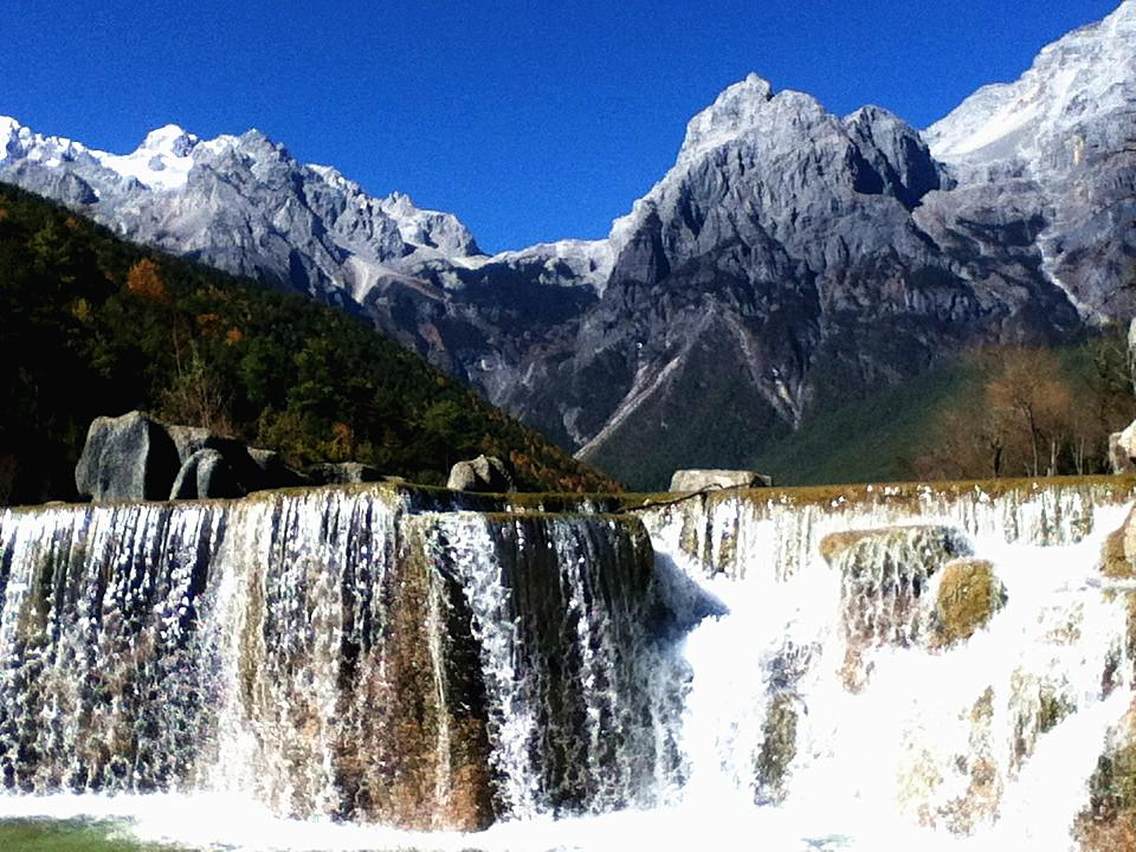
x=888 y=668
x=332 y=655
x=833 y=705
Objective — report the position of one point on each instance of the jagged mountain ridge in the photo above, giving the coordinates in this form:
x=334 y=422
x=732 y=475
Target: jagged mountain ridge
x=788 y=257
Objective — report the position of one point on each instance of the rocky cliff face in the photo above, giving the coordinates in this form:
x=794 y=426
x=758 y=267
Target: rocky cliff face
x=790 y=257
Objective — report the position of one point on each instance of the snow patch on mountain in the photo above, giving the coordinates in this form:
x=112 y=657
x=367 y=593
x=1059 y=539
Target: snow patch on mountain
x=586 y=263
x=162 y=162
x=1087 y=72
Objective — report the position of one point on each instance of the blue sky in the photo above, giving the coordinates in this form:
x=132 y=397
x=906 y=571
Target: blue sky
x=532 y=121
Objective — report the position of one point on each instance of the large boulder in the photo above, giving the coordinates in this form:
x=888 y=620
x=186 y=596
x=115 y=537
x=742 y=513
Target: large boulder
x=206 y=475
x=487 y=474
x=704 y=480
x=127 y=458
x=255 y=469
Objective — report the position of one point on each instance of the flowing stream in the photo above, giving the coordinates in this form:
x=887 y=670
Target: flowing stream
x=366 y=668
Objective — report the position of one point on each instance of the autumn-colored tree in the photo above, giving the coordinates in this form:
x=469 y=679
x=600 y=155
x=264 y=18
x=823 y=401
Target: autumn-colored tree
x=145 y=281
x=1027 y=385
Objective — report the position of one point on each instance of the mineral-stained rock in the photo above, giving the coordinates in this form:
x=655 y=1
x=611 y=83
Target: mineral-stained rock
x=970 y=593
x=1118 y=555
x=484 y=473
x=1108 y=823
x=127 y=458
x=978 y=802
x=701 y=480
x=778 y=747
x=883 y=575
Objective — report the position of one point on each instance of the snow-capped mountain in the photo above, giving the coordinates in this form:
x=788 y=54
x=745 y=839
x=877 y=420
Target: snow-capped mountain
x=789 y=258
x=228 y=201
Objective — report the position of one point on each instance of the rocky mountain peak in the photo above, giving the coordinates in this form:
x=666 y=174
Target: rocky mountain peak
x=9 y=136
x=399 y=204
x=733 y=112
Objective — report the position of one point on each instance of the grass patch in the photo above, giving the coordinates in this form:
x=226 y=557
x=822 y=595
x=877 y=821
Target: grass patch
x=42 y=835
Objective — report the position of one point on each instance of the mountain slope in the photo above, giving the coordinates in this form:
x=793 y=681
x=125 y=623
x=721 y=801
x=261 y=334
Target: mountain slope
x=93 y=325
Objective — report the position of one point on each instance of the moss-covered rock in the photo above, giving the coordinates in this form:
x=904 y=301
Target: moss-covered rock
x=970 y=593
x=926 y=545
x=884 y=573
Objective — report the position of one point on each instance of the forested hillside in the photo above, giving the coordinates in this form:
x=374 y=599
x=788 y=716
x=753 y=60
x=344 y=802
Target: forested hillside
x=93 y=325
x=997 y=411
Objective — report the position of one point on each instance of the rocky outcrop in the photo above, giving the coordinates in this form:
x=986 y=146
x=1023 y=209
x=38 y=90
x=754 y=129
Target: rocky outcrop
x=136 y=457
x=1055 y=147
x=484 y=473
x=206 y=474
x=1118 y=554
x=702 y=480
x=341 y=473
x=1108 y=822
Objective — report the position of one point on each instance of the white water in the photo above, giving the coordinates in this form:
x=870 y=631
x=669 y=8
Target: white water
x=887 y=768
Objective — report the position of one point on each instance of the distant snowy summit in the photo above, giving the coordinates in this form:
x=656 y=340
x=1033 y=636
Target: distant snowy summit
x=181 y=193
x=1039 y=119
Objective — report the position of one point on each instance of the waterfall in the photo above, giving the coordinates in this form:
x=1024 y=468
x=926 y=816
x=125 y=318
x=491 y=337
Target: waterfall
x=827 y=698
x=332 y=654
x=872 y=668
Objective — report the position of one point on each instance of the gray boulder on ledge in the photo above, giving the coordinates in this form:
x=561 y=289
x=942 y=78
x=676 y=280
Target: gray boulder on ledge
x=487 y=474
x=342 y=473
x=704 y=480
x=131 y=457
x=206 y=474
x=1122 y=450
